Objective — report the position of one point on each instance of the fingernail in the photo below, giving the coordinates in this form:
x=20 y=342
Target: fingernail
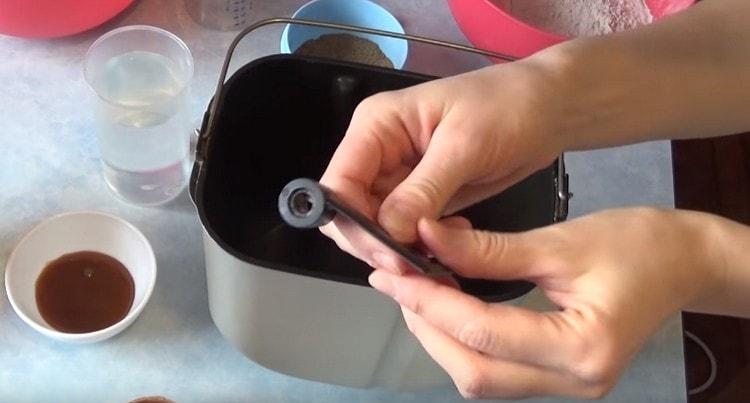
x=386 y=262
x=383 y=283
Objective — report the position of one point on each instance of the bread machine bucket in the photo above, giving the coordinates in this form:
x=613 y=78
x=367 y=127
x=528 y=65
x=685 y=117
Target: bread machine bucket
x=289 y=299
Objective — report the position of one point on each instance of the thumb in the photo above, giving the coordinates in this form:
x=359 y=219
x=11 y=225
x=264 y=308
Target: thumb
x=488 y=255
x=425 y=192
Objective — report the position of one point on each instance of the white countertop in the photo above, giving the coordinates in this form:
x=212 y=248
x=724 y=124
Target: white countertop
x=49 y=164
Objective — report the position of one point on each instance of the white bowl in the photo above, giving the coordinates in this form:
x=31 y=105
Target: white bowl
x=72 y=232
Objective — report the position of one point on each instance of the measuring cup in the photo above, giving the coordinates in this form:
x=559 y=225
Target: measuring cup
x=224 y=15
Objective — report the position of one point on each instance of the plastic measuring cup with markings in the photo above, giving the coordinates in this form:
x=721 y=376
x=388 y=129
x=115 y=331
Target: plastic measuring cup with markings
x=224 y=15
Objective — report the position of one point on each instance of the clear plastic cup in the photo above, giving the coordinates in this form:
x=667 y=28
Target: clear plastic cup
x=140 y=75
x=224 y=15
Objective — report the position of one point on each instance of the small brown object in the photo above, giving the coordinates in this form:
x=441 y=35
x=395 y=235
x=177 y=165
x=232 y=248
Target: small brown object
x=345 y=47
x=84 y=292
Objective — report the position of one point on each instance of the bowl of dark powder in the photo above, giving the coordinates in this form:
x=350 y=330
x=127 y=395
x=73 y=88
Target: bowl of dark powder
x=343 y=45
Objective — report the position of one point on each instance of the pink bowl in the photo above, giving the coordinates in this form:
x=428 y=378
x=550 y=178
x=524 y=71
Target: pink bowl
x=488 y=26
x=55 y=18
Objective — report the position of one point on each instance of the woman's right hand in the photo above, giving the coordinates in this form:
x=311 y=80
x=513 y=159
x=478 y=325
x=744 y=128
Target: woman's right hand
x=435 y=148
x=614 y=277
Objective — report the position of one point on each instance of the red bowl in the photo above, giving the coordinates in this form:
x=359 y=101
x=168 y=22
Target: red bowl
x=488 y=26
x=55 y=18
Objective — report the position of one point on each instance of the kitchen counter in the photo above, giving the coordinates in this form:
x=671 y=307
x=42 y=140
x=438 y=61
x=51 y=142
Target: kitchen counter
x=50 y=164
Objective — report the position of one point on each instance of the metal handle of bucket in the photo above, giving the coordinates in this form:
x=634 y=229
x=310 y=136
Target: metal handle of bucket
x=561 y=182
x=203 y=137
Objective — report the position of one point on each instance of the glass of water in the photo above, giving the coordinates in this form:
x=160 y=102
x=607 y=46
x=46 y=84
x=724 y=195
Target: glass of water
x=140 y=75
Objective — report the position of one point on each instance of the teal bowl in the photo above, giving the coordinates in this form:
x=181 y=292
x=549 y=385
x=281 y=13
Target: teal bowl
x=362 y=13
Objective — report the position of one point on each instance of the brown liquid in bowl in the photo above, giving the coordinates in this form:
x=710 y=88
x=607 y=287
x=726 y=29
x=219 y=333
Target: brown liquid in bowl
x=84 y=291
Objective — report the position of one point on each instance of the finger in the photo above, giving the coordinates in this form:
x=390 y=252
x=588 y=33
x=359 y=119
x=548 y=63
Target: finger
x=491 y=255
x=351 y=238
x=382 y=257
x=479 y=376
x=374 y=145
x=499 y=330
x=456 y=222
x=331 y=230
x=470 y=194
x=367 y=164
x=442 y=170
x=352 y=181
x=448 y=281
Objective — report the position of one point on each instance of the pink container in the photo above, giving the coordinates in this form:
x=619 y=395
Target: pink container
x=488 y=26
x=55 y=18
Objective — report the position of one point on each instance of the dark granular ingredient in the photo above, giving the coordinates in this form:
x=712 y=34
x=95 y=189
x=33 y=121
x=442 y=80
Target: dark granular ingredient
x=345 y=47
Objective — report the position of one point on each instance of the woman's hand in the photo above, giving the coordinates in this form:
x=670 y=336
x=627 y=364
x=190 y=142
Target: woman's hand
x=615 y=275
x=441 y=146
x=429 y=150
x=414 y=155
